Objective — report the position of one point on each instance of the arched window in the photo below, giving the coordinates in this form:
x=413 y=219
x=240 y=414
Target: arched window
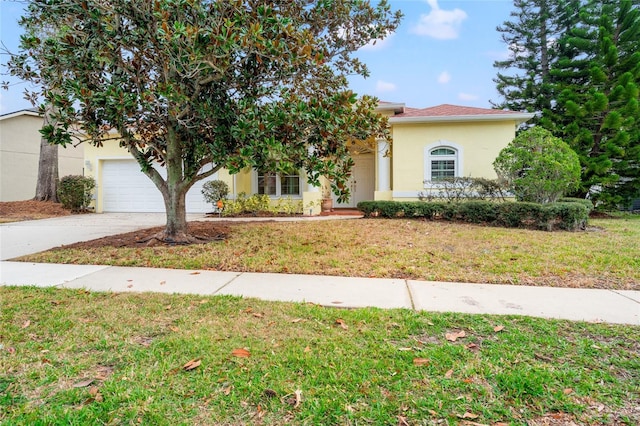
x=443 y=160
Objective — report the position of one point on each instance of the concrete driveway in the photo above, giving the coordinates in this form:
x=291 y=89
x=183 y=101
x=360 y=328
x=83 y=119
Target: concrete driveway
x=21 y=238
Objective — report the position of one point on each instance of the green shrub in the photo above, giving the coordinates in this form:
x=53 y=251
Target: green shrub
x=587 y=203
x=214 y=191
x=459 y=189
x=569 y=216
x=260 y=204
x=75 y=192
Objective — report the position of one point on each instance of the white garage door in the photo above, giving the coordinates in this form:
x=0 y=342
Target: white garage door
x=126 y=189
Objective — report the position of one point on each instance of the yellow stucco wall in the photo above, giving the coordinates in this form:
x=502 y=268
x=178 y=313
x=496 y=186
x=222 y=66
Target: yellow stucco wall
x=481 y=143
x=20 y=154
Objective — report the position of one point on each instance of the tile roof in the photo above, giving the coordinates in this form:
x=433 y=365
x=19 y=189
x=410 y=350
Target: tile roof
x=447 y=110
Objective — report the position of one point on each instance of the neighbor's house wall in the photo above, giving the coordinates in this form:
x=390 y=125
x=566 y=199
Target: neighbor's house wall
x=95 y=158
x=481 y=143
x=20 y=155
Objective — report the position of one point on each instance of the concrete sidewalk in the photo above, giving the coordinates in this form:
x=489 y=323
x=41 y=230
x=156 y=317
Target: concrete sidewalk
x=610 y=306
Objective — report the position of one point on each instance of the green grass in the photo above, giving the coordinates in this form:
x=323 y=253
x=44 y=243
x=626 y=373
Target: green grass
x=605 y=256
x=134 y=347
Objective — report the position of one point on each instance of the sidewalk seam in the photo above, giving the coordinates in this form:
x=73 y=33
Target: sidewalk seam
x=626 y=297
x=406 y=285
x=227 y=283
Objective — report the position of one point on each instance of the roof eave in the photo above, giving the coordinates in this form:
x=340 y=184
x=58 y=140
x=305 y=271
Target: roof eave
x=19 y=113
x=519 y=118
x=397 y=108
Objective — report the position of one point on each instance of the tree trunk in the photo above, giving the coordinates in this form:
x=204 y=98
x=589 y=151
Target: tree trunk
x=47 y=185
x=175 y=206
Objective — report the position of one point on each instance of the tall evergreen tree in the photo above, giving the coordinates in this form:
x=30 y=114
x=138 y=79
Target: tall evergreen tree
x=596 y=84
x=524 y=78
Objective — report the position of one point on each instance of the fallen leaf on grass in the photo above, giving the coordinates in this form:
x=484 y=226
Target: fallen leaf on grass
x=297 y=320
x=342 y=324
x=421 y=361
x=448 y=374
x=11 y=350
x=270 y=393
x=402 y=421
x=83 y=383
x=469 y=415
x=258 y=315
x=307 y=350
x=298 y=395
x=498 y=328
x=542 y=357
x=241 y=353
x=26 y=324
x=191 y=365
x=452 y=337
x=95 y=392
x=472 y=347
x=567 y=391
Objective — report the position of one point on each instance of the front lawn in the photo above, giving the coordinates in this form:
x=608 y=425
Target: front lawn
x=607 y=255
x=74 y=357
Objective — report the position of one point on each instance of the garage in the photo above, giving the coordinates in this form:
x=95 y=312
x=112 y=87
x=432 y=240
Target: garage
x=126 y=189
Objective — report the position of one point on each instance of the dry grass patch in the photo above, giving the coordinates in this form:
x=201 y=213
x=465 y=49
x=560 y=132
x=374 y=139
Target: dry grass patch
x=605 y=256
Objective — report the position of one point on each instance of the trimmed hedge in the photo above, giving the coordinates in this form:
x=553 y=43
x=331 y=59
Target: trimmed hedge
x=569 y=216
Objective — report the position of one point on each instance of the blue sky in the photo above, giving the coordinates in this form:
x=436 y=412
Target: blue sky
x=443 y=52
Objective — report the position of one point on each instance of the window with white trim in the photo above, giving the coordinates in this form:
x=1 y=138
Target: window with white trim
x=443 y=163
x=278 y=185
x=442 y=160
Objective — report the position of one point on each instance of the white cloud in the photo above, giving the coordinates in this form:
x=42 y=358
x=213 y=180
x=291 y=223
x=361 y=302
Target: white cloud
x=384 y=86
x=440 y=24
x=467 y=97
x=444 y=77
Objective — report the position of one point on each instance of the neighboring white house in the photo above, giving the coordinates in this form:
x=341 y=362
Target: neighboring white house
x=20 y=153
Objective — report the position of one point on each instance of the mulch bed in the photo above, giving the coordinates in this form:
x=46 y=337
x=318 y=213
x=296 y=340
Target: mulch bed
x=204 y=231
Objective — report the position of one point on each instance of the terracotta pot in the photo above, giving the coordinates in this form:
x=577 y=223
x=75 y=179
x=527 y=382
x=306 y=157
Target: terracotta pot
x=327 y=205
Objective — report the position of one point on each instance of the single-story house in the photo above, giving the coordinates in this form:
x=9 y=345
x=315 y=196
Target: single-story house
x=20 y=155
x=428 y=143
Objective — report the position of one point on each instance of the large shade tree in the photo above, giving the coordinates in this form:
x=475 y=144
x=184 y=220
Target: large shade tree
x=200 y=85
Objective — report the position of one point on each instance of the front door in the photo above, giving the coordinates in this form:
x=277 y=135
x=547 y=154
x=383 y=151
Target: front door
x=361 y=183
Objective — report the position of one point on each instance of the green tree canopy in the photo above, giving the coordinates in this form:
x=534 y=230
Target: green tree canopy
x=538 y=167
x=596 y=108
x=576 y=63
x=200 y=85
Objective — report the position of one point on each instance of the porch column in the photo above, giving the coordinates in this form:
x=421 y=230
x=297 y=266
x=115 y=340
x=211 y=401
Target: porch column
x=312 y=188
x=384 y=166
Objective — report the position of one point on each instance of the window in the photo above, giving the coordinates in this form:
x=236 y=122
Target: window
x=443 y=160
x=443 y=163
x=276 y=185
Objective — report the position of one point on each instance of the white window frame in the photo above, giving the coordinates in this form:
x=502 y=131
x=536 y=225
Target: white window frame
x=278 y=193
x=458 y=163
